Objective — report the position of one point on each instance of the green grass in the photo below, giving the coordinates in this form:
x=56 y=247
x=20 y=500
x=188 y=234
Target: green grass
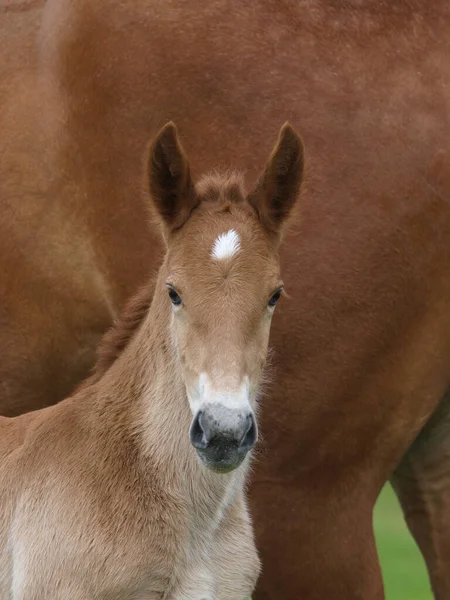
x=404 y=573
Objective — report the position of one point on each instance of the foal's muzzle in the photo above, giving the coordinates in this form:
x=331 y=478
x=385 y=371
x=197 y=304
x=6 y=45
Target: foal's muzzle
x=223 y=436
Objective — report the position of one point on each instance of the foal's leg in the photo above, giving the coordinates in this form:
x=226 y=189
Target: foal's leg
x=422 y=483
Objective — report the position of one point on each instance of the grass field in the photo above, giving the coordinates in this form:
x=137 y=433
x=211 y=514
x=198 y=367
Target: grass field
x=404 y=573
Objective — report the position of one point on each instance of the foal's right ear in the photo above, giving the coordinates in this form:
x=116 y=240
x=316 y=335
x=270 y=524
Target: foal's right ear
x=172 y=191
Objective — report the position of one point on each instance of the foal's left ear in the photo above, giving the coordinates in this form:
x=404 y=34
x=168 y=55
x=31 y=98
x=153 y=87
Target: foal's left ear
x=171 y=187
x=278 y=189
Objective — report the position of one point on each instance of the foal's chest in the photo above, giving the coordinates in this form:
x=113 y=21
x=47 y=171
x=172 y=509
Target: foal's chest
x=197 y=568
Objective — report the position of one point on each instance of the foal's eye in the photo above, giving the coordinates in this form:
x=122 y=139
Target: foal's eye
x=275 y=297
x=174 y=297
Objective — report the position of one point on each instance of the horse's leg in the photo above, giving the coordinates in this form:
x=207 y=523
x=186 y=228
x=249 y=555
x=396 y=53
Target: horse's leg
x=422 y=484
x=315 y=544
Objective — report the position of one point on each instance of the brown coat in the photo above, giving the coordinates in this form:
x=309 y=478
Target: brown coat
x=361 y=346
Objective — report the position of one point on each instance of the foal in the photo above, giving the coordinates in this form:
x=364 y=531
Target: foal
x=133 y=488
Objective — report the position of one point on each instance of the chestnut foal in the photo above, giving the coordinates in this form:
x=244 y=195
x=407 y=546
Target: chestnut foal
x=103 y=495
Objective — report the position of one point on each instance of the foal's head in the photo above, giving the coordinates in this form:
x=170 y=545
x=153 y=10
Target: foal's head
x=222 y=281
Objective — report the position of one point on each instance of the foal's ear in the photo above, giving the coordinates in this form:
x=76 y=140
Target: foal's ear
x=171 y=188
x=277 y=190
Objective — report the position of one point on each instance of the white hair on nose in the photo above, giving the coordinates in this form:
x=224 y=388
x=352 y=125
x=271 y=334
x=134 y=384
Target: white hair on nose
x=226 y=245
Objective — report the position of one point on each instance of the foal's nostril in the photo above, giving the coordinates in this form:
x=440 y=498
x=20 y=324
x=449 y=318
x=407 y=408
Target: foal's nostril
x=197 y=432
x=250 y=435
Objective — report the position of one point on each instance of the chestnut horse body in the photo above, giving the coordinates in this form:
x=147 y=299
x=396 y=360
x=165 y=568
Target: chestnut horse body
x=362 y=344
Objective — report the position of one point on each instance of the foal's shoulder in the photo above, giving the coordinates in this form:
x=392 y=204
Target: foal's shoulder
x=30 y=439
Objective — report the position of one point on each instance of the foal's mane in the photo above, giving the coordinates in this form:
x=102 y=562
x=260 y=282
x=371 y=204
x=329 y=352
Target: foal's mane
x=221 y=187
x=114 y=342
x=215 y=188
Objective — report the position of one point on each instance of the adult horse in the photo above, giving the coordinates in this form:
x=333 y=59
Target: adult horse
x=362 y=345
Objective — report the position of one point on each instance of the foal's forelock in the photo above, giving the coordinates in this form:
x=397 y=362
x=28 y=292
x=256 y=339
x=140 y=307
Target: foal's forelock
x=225 y=187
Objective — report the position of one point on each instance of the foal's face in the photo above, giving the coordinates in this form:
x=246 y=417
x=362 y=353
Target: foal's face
x=222 y=281
x=223 y=284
